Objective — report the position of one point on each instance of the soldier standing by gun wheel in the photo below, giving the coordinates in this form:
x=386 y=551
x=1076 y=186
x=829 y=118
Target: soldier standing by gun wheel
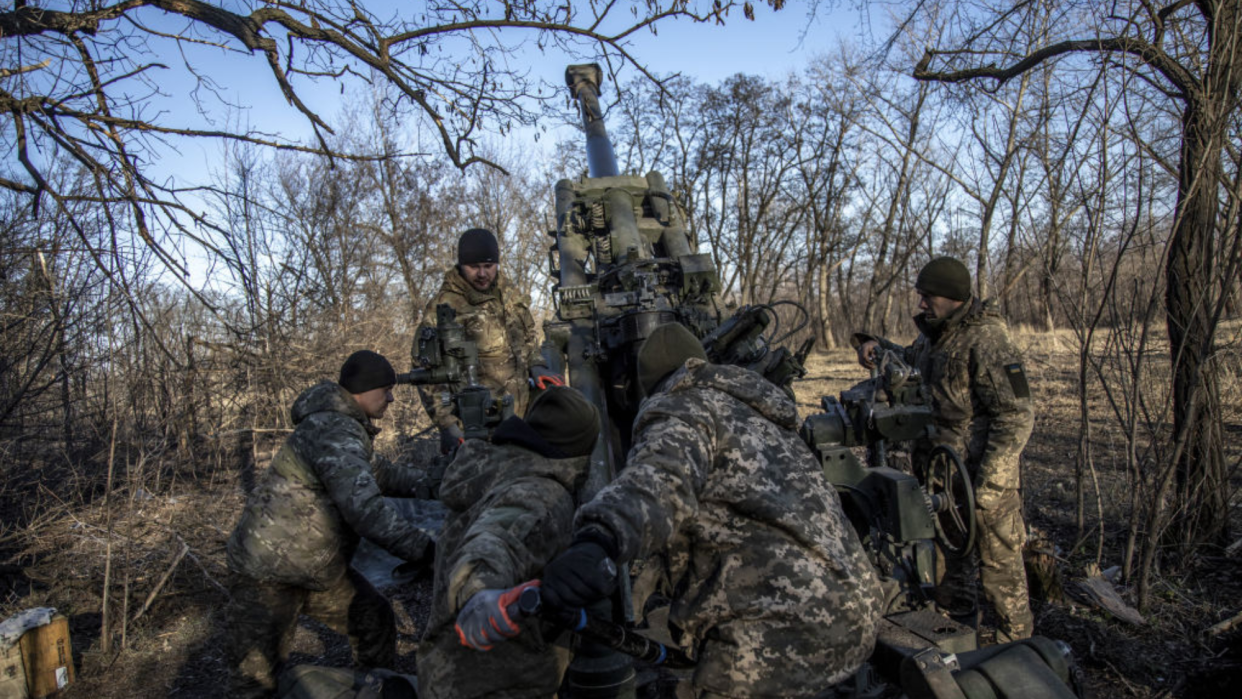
x=982 y=408
x=497 y=318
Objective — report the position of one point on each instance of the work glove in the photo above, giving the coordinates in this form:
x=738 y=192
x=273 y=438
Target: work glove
x=485 y=620
x=582 y=574
x=451 y=437
x=543 y=378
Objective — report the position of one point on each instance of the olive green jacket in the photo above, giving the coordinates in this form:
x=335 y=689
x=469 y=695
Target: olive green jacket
x=512 y=511
x=980 y=394
x=302 y=523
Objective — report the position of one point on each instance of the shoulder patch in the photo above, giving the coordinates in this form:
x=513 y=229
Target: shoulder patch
x=1017 y=380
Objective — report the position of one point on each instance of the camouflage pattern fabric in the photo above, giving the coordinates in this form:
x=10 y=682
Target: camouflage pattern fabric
x=262 y=617
x=301 y=524
x=770 y=587
x=291 y=548
x=983 y=409
x=499 y=321
x=512 y=511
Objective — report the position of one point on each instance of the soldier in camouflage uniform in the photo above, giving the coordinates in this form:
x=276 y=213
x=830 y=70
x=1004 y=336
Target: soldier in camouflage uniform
x=983 y=410
x=497 y=318
x=512 y=504
x=771 y=590
x=291 y=549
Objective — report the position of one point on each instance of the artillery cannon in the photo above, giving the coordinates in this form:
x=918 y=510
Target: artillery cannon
x=623 y=264
x=897 y=514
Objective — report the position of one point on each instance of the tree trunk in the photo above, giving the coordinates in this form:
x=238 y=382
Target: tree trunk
x=1202 y=492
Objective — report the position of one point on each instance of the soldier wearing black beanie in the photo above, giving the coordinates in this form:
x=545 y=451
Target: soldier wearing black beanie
x=478 y=246
x=497 y=319
x=365 y=370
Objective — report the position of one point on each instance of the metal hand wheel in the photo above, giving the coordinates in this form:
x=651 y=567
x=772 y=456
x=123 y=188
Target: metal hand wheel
x=951 y=497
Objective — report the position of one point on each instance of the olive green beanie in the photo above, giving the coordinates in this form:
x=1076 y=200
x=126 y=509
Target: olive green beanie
x=947 y=277
x=565 y=419
x=663 y=352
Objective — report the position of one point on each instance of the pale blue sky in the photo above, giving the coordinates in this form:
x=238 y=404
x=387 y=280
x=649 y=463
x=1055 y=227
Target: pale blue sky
x=771 y=46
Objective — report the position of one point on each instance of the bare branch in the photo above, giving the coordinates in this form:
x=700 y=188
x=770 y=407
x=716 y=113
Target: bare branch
x=1186 y=83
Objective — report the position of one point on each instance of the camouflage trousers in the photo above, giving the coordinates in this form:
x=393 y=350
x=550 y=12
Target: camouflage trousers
x=262 y=618
x=998 y=561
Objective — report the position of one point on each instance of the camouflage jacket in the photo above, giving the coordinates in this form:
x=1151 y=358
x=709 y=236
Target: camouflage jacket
x=499 y=321
x=980 y=395
x=301 y=524
x=771 y=587
x=511 y=512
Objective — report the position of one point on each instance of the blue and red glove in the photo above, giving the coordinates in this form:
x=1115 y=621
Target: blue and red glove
x=485 y=621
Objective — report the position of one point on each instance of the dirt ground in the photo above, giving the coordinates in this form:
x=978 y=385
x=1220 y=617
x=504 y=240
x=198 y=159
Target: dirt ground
x=172 y=530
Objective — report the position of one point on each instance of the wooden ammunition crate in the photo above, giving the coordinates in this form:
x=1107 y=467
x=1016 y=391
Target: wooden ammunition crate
x=38 y=665
x=12 y=673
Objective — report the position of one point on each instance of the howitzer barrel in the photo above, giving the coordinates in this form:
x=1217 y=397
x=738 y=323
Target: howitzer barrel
x=584 y=83
x=420 y=377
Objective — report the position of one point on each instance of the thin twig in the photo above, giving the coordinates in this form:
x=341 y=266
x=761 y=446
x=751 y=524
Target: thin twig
x=185 y=548
x=203 y=568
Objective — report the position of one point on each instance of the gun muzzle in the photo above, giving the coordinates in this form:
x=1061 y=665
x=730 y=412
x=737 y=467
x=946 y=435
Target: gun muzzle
x=584 y=81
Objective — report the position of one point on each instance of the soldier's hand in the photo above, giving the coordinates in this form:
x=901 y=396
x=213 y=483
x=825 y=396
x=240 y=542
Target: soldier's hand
x=867 y=352
x=450 y=438
x=582 y=574
x=485 y=620
x=542 y=378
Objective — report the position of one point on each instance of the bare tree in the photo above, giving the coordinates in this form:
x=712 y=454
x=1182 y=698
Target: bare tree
x=81 y=83
x=1193 y=50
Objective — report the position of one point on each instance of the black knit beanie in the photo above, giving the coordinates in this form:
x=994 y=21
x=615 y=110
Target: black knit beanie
x=476 y=246
x=945 y=276
x=365 y=370
x=663 y=352
x=565 y=419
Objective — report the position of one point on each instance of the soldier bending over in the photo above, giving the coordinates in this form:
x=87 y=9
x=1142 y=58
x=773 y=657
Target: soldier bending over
x=770 y=588
x=291 y=549
x=512 y=506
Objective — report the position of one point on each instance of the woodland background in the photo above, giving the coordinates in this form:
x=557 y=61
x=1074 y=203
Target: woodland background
x=1085 y=163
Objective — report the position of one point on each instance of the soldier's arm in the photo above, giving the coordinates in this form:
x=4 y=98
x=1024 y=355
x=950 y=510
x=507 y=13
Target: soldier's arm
x=399 y=480
x=660 y=486
x=339 y=456
x=525 y=523
x=857 y=340
x=1003 y=395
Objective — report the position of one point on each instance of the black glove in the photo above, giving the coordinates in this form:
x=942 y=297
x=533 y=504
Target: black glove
x=582 y=574
x=450 y=438
x=543 y=378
